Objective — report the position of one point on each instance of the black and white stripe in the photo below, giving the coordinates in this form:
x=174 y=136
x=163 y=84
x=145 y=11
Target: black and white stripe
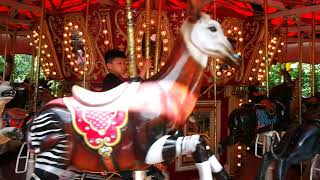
x=51 y=163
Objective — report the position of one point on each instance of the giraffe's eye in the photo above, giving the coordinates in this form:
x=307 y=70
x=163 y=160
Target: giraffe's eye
x=212 y=29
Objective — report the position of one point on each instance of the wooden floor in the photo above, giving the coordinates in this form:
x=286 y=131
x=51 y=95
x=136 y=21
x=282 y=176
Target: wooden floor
x=251 y=165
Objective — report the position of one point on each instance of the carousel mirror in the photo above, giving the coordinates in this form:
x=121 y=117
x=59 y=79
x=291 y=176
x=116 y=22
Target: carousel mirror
x=202 y=121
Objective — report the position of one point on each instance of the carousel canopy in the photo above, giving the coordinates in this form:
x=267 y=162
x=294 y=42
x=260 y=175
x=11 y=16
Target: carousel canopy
x=20 y=16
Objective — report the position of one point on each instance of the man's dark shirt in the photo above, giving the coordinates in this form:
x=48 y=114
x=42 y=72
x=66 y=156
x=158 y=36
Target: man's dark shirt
x=111 y=81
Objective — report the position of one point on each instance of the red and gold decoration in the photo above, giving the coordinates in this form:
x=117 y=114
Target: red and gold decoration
x=76 y=61
x=100 y=129
x=166 y=40
x=258 y=69
x=48 y=57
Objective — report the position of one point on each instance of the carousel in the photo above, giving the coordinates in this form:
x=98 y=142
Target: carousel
x=209 y=89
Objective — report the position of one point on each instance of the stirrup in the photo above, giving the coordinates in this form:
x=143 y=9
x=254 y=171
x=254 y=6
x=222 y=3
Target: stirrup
x=264 y=140
x=20 y=157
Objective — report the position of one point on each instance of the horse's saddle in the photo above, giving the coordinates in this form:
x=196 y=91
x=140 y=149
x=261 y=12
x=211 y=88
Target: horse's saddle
x=14 y=117
x=91 y=98
x=99 y=116
x=264 y=119
x=266 y=113
x=99 y=127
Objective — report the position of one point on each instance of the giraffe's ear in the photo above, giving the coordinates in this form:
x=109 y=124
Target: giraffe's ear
x=194 y=9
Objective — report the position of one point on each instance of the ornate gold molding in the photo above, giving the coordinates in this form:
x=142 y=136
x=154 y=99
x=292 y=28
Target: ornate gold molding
x=166 y=38
x=77 y=22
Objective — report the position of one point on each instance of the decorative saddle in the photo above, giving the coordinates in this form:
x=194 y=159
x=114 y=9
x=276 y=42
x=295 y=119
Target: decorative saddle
x=266 y=112
x=14 y=117
x=98 y=117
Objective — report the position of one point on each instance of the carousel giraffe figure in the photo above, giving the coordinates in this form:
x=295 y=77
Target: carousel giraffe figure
x=126 y=128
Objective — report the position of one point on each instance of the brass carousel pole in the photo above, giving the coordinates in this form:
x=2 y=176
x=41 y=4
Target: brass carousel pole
x=266 y=29
x=85 y=50
x=285 y=51
x=147 y=36
x=131 y=43
x=37 y=59
x=215 y=9
x=300 y=73
x=313 y=50
x=158 y=39
x=5 y=50
x=214 y=133
x=4 y=66
x=300 y=36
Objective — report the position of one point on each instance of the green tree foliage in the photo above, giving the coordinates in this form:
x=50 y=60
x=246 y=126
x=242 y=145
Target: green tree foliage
x=1 y=64
x=274 y=75
x=22 y=67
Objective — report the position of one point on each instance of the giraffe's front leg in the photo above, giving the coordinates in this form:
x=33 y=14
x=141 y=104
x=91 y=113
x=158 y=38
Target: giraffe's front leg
x=168 y=147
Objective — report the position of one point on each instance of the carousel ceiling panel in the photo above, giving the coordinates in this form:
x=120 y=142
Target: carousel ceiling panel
x=30 y=10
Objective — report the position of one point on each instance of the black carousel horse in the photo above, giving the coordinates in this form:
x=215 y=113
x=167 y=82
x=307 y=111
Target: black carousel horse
x=298 y=144
x=273 y=113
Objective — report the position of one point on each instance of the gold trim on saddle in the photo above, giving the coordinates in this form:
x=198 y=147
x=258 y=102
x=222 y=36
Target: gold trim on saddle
x=99 y=127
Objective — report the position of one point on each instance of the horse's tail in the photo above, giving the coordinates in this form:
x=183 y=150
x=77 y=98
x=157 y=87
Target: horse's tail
x=48 y=140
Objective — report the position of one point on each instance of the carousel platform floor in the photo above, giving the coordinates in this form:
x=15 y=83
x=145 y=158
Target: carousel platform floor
x=251 y=165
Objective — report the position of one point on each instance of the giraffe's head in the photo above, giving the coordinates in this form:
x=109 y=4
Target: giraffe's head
x=205 y=38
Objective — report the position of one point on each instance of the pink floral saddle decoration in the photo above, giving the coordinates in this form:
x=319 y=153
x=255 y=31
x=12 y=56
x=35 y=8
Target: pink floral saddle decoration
x=99 y=127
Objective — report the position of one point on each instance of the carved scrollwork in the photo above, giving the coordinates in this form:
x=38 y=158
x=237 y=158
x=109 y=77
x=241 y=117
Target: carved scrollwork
x=75 y=65
x=166 y=38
